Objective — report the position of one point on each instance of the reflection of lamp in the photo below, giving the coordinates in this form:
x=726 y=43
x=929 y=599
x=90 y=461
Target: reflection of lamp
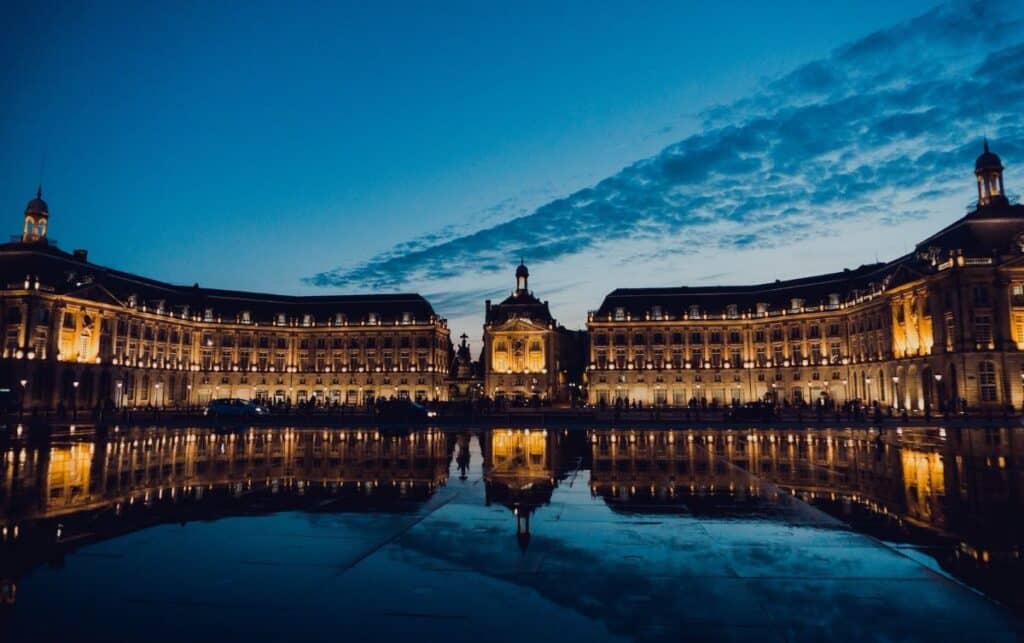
x=938 y=377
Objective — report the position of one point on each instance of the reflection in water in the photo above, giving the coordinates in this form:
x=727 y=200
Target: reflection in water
x=73 y=491
x=954 y=493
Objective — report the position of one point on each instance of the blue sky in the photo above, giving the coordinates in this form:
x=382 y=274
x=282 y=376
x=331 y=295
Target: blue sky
x=407 y=146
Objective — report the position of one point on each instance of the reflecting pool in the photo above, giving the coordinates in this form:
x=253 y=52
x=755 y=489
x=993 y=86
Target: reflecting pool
x=513 y=534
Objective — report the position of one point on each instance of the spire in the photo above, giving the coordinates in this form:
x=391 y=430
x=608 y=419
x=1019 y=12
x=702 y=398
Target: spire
x=39 y=191
x=985 y=139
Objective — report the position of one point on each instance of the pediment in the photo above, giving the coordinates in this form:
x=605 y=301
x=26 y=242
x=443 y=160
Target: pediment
x=519 y=324
x=96 y=293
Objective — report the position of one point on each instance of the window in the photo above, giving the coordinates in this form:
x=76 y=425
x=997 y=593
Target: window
x=656 y=313
x=983 y=329
x=987 y=381
x=620 y=313
x=980 y=295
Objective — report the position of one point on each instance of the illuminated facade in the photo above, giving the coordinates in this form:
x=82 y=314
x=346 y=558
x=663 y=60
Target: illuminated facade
x=79 y=334
x=938 y=326
x=527 y=355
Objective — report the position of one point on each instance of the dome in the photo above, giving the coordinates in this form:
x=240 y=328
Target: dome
x=988 y=160
x=37 y=205
x=521 y=271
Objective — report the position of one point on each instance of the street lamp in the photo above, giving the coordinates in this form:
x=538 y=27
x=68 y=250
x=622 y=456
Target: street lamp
x=74 y=408
x=21 y=407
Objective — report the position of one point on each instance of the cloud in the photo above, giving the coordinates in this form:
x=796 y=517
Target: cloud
x=872 y=135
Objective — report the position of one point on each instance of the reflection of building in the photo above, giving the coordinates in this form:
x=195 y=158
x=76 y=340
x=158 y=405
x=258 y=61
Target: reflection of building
x=527 y=355
x=62 y=496
x=961 y=481
x=145 y=466
x=519 y=471
x=941 y=323
x=76 y=331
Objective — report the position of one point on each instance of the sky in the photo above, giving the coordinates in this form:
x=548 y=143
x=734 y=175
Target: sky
x=381 y=147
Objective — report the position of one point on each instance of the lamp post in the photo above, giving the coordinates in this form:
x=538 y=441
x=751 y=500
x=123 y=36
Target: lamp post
x=24 y=391
x=896 y=391
x=939 y=393
x=74 y=407
x=118 y=399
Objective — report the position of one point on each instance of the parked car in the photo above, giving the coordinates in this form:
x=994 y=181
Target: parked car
x=234 y=407
x=402 y=411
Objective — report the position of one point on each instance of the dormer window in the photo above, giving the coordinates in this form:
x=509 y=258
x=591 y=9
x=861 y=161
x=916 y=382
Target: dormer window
x=208 y=315
x=656 y=312
x=694 y=311
x=620 y=313
x=339 y=319
x=761 y=308
x=732 y=311
x=133 y=301
x=246 y=317
x=833 y=299
x=406 y=318
x=307 y=320
x=281 y=320
x=796 y=303
x=371 y=318
x=160 y=307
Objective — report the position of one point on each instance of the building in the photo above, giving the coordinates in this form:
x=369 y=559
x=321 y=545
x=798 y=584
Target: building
x=938 y=328
x=79 y=334
x=527 y=356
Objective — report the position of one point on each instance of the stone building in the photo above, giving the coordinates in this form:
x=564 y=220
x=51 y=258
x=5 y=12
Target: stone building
x=940 y=327
x=80 y=334
x=527 y=356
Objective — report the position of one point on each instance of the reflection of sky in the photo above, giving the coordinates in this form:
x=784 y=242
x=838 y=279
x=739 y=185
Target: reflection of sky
x=427 y=150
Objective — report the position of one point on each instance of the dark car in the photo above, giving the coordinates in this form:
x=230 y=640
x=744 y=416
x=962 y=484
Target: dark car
x=402 y=411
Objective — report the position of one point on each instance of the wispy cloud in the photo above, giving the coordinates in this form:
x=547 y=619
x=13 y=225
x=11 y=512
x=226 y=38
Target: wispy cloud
x=876 y=134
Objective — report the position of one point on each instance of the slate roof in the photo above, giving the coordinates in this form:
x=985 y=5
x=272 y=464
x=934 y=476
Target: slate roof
x=990 y=231
x=66 y=274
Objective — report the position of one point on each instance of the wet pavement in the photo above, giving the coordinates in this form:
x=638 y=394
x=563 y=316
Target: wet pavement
x=510 y=534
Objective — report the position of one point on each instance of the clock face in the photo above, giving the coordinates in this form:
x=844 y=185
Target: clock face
x=517 y=345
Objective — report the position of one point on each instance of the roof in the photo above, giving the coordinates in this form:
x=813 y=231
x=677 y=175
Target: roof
x=988 y=231
x=676 y=301
x=66 y=273
x=519 y=305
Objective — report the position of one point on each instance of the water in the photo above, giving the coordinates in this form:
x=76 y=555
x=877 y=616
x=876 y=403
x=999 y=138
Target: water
x=513 y=534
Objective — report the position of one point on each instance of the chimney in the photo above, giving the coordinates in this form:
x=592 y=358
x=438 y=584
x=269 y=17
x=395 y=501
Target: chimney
x=81 y=254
